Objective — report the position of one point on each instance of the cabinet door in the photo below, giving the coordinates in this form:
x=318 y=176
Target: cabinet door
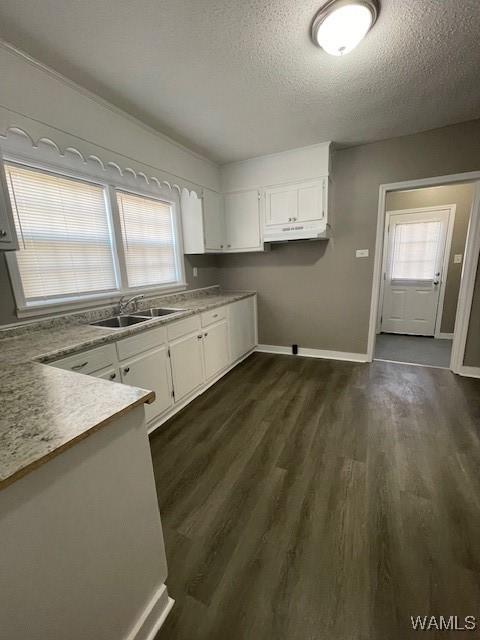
x=281 y=205
x=192 y=222
x=215 y=347
x=242 y=327
x=8 y=236
x=311 y=201
x=213 y=218
x=242 y=221
x=186 y=359
x=151 y=371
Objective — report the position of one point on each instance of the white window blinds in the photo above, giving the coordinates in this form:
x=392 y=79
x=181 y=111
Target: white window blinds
x=148 y=235
x=415 y=250
x=64 y=235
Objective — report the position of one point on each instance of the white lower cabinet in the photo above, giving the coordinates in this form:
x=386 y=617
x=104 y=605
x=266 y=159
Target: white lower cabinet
x=176 y=360
x=186 y=359
x=151 y=371
x=216 y=349
x=112 y=374
x=242 y=320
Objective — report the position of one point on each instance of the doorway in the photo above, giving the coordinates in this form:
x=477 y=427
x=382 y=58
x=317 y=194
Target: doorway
x=425 y=242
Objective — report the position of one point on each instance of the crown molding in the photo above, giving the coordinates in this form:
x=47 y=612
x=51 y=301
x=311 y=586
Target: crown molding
x=99 y=100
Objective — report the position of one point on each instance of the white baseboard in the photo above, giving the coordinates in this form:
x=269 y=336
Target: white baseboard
x=175 y=409
x=152 y=617
x=314 y=353
x=469 y=372
x=445 y=336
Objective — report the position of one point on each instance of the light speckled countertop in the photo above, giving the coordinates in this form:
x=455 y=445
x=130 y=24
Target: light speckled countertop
x=44 y=410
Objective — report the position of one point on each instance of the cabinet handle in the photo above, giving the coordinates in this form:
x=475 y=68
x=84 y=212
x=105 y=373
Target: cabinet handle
x=113 y=376
x=205 y=334
x=221 y=246
x=126 y=370
x=229 y=246
x=215 y=315
x=199 y=337
x=3 y=233
x=80 y=366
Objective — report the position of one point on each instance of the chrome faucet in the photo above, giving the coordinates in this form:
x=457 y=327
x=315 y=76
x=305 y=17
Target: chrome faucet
x=124 y=304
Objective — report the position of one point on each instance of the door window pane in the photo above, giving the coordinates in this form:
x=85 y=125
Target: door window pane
x=415 y=250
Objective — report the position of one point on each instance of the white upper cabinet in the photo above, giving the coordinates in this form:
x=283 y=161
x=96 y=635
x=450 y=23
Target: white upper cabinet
x=217 y=223
x=300 y=202
x=214 y=223
x=8 y=237
x=242 y=221
x=202 y=222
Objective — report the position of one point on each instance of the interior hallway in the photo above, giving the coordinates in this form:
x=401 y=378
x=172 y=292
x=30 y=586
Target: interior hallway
x=319 y=499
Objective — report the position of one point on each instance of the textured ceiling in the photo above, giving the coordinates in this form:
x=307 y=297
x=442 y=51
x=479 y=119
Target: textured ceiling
x=239 y=78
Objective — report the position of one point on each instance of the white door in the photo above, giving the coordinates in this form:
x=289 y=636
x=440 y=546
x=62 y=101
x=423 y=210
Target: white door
x=242 y=221
x=151 y=371
x=215 y=347
x=186 y=358
x=214 y=221
x=415 y=253
x=242 y=327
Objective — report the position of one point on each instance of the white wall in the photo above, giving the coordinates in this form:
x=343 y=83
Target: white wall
x=45 y=104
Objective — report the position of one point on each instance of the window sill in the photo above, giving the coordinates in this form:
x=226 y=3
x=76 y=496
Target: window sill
x=64 y=306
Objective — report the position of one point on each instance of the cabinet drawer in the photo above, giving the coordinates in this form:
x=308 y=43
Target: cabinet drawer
x=214 y=315
x=141 y=342
x=183 y=327
x=89 y=361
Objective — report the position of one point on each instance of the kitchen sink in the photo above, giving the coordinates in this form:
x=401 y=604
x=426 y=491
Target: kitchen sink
x=119 y=322
x=157 y=312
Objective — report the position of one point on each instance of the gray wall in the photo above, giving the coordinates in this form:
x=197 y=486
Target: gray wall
x=318 y=294
x=462 y=196
x=207 y=275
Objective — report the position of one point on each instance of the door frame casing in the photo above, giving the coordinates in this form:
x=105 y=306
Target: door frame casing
x=451 y=208
x=469 y=269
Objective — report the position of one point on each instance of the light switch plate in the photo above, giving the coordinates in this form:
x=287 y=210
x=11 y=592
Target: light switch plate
x=361 y=253
x=457 y=258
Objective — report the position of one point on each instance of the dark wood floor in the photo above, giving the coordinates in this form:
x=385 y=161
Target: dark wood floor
x=317 y=500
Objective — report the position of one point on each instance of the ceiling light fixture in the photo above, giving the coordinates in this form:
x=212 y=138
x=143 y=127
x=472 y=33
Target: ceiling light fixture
x=340 y=25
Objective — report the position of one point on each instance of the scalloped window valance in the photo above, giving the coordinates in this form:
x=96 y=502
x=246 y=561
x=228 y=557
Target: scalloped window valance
x=18 y=143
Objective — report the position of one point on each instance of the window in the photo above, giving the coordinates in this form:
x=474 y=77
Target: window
x=64 y=235
x=148 y=240
x=82 y=240
x=415 y=250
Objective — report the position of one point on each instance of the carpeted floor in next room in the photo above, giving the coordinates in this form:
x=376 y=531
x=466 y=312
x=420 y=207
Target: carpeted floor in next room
x=413 y=349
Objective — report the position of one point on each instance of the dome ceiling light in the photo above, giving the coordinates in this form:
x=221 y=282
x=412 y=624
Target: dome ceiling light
x=341 y=25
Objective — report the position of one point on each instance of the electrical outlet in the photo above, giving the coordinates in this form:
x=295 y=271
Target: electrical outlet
x=195 y=272
x=361 y=253
x=457 y=258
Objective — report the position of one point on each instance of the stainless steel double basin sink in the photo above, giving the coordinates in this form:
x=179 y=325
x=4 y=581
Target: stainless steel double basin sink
x=120 y=322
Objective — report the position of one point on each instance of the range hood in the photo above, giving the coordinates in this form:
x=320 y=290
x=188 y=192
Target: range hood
x=316 y=230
